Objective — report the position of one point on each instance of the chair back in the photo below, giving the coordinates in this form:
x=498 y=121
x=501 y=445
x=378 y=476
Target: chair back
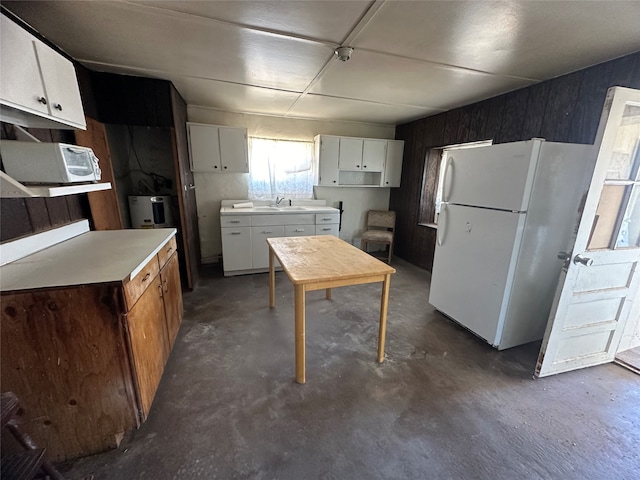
x=381 y=218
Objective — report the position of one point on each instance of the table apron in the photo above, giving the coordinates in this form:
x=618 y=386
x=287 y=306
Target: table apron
x=322 y=284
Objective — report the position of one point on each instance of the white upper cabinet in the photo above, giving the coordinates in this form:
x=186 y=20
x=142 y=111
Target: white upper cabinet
x=327 y=150
x=215 y=148
x=38 y=86
x=393 y=163
x=359 y=162
x=350 y=156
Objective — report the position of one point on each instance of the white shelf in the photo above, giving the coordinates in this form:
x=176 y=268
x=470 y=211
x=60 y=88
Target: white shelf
x=10 y=188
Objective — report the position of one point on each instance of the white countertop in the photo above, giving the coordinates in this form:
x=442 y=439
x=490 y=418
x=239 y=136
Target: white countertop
x=93 y=257
x=266 y=210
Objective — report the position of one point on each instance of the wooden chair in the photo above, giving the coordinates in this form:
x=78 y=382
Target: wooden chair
x=380 y=228
x=24 y=465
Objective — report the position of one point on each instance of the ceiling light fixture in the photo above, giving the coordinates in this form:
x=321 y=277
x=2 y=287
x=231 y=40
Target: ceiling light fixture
x=343 y=53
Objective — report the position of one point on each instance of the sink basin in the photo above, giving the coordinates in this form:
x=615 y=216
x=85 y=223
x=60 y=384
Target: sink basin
x=292 y=208
x=267 y=209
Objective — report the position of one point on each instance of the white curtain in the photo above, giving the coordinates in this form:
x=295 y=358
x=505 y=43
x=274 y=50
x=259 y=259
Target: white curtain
x=281 y=168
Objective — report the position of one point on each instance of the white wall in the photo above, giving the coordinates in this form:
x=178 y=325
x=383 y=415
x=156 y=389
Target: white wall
x=211 y=188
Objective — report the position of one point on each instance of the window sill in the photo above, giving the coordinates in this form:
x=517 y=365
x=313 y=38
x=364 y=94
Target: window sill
x=429 y=225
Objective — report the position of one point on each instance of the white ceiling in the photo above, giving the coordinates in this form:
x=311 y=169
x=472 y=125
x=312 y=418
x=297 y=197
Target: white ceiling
x=411 y=58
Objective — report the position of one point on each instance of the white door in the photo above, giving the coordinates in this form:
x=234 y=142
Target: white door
x=596 y=289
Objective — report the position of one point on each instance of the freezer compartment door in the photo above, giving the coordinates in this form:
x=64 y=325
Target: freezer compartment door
x=473 y=268
x=498 y=176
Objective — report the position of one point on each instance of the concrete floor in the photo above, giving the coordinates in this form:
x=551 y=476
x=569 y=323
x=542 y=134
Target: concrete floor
x=444 y=405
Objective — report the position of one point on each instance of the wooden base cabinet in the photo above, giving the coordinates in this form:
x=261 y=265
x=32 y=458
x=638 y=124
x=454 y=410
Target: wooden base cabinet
x=86 y=361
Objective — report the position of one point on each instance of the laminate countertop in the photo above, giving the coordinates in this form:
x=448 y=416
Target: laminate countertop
x=92 y=257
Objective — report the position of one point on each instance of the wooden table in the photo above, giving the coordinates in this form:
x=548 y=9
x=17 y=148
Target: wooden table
x=325 y=262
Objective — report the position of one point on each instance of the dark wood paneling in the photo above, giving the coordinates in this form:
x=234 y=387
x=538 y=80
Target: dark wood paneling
x=564 y=109
x=536 y=106
x=515 y=109
x=38 y=214
x=58 y=211
x=559 y=114
x=15 y=218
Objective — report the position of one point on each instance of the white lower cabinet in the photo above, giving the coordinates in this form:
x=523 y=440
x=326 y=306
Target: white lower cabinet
x=244 y=237
x=259 y=247
x=236 y=243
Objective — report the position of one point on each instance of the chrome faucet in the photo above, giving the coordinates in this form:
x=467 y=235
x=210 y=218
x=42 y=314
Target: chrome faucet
x=278 y=200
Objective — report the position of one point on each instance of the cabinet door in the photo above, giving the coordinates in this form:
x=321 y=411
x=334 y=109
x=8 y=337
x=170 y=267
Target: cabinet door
x=149 y=343
x=393 y=164
x=259 y=247
x=61 y=85
x=172 y=297
x=328 y=149
x=350 y=157
x=236 y=248
x=374 y=153
x=233 y=150
x=204 y=148
x=20 y=83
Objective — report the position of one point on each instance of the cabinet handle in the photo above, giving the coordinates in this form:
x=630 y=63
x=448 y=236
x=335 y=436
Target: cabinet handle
x=326 y=219
x=225 y=167
x=169 y=249
x=357 y=166
x=334 y=181
x=234 y=221
x=299 y=229
x=215 y=166
x=387 y=183
x=236 y=233
x=166 y=286
x=58 y=107
x=42 y=100
x=160 y=289
x=364 y=166
x=326 y=229
x=146 y=277
x=268 y=231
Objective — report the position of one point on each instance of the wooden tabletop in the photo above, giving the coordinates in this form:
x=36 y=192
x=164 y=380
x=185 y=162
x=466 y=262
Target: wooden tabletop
x=324 y=258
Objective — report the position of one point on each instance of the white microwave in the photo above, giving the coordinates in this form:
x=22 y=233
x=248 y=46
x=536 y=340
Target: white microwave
x=40 y=162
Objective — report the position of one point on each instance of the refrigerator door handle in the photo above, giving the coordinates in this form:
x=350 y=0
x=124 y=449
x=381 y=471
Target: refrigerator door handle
x=444 y=178
x=441 y=225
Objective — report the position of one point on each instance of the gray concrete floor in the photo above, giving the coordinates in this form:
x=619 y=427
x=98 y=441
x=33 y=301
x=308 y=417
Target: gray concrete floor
x=443 y=405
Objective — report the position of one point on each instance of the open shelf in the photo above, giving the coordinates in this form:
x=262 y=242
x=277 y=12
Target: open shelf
x=10 y=188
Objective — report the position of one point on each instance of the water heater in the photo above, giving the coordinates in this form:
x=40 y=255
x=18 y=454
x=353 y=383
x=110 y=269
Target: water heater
x=150 y=211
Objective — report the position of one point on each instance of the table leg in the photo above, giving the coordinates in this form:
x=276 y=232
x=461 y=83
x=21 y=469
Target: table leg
x=272 y=280
x=328 y=294
x=299 y=333
x=384 y=303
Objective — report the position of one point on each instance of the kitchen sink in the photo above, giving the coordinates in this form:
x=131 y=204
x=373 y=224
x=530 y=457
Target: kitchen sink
x=292 y=208
x=268 y=209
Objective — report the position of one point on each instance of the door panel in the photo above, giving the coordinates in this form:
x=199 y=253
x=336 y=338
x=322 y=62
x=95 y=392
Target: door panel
x=600 y=281
x=189 y=234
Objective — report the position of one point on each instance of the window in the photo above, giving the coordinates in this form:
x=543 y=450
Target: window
x=281 y=168
x=434 y=177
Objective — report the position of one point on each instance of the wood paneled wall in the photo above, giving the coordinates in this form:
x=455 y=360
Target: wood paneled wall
x=564 y=109
x=20 y=217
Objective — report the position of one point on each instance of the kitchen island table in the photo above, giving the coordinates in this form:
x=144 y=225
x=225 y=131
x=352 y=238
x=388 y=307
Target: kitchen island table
x=325 y=262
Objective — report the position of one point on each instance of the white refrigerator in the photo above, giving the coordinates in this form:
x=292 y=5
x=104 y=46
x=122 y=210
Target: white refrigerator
x=507 y=212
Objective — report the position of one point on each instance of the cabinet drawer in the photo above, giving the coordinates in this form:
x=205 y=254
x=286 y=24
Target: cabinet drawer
x=166 y=251
x=235 y=220
x=322 y=218
x=137 y=285
x=331 y=229
x=299 y=230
